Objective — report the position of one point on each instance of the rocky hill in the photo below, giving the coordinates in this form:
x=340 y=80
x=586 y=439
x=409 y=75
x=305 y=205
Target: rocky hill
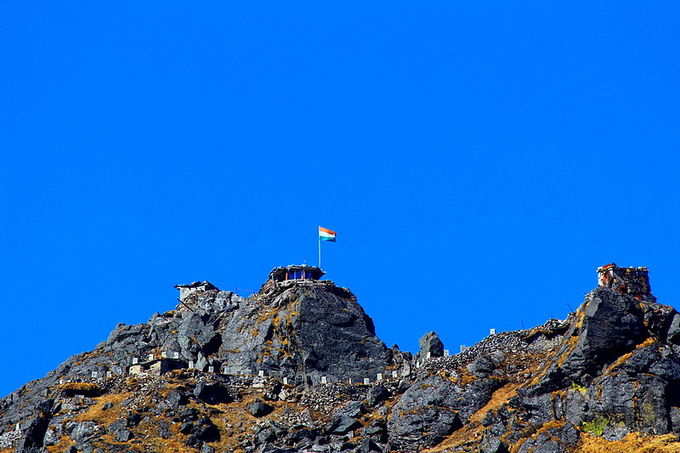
x=297 y=367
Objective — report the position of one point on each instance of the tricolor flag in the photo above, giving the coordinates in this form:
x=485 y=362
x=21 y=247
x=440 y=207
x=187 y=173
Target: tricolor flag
x=326 y=235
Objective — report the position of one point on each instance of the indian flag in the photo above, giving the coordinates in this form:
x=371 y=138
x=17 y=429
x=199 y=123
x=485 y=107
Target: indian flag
x=326 y=235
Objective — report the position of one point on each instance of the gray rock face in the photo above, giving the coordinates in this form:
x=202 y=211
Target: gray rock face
x=613 y=324
x=35 y=433
x=425 y=414
x=554 y=440
x=611 y=368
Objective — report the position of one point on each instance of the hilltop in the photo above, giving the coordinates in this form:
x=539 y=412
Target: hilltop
x=297 y=367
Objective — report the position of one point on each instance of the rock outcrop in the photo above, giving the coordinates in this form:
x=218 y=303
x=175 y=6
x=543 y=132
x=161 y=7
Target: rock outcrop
x=298 y=367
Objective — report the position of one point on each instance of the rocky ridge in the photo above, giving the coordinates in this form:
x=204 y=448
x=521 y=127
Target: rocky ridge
x=298 y=368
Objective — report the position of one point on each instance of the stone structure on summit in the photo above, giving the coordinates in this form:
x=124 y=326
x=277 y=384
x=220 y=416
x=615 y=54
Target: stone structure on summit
x=297 y=367
x=633 y=281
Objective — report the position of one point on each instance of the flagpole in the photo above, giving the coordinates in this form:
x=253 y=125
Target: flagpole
x=318 y=238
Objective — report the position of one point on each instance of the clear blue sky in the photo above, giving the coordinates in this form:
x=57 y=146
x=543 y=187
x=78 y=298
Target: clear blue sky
x=478 y=159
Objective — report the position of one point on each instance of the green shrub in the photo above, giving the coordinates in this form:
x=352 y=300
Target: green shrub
x=579 y=388
x=596 y=426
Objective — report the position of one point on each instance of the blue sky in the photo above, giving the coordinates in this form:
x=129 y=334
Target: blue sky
x=478 y=159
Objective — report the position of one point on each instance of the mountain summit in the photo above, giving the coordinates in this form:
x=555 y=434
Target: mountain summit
x=297 y=367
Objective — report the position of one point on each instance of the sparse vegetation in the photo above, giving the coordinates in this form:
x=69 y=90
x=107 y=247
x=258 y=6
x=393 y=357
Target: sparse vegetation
x=632 y=443
x=596 y=426
x=579 y=388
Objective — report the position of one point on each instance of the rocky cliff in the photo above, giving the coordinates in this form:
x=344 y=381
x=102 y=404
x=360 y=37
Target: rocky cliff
x=298 y=368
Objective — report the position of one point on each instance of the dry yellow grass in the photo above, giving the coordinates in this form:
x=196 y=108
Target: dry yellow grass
x=632 y=443
x=499 y=397
x=545 y=427
x=62 y=445
x=97 y=412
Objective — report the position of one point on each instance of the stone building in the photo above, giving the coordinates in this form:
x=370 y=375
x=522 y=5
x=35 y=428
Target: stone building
x=632 y=281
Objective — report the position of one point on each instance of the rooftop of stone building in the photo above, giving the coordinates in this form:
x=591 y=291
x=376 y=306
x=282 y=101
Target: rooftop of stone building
x=296 y=272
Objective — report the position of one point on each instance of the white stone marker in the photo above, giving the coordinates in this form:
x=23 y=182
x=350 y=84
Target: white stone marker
x=429 y=354
x=191 y=364
x=285 y=381
x=367 y=381
x=61 y=381
x=135 y=360
x=109 y=374
x=175 y=355
x=446 y=353
x=324 y=380
x=349 y=381
x=95 y=375
x=260 y=373
x=395 y=374
x=379 y=377
x=492 y=331
x=150 y=358
x=211 y=369
x=164 y=355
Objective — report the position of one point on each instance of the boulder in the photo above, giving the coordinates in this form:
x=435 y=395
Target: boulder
x=259 y=408
x=376 y=395
x=432 y=345
x=211 y=393
x=175 y=399
x=342 y=424
x=81 y=431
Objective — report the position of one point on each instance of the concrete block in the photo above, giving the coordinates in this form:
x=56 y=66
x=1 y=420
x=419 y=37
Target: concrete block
x=156 y=368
